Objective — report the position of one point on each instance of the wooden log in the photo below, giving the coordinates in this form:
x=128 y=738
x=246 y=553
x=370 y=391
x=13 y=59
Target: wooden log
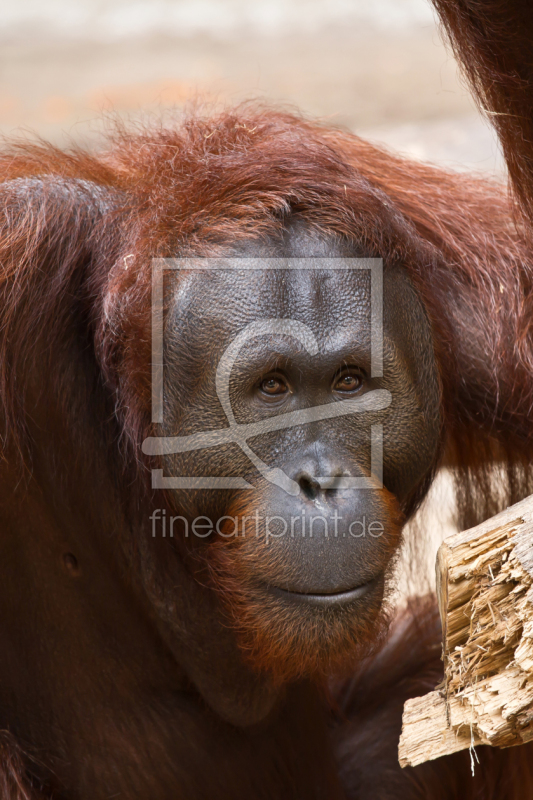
x=485 y=594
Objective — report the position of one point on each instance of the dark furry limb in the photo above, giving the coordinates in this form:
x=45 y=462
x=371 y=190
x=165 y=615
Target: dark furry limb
x=365 y=727
x=368 y=725
x=493 y=41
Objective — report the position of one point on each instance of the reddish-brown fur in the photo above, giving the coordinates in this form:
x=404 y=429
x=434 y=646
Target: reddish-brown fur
x=370 y=704
x=273 y=642
x=236 y=176
x=13 y=783
x=492 y=41
x=198 y=186
x=366 y=712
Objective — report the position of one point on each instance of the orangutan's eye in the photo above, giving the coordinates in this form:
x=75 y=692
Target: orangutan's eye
x=349 y=381
x=274 y=386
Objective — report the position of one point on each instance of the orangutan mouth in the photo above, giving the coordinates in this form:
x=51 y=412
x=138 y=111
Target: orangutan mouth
x=325 y=598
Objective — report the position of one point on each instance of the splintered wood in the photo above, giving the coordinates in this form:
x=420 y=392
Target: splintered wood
x=485 y=593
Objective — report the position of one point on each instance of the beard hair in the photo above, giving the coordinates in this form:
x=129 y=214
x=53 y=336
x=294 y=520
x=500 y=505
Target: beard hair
x=291 y=641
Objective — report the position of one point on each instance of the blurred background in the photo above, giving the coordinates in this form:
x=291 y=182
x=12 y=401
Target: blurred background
x=378 y=67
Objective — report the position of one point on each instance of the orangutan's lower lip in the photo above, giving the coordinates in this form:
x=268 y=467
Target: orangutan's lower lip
x=325 y=599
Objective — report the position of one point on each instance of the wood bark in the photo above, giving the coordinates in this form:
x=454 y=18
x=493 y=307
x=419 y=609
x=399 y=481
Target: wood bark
x=485 y=594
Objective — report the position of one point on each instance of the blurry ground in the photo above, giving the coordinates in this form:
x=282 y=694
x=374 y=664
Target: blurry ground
x=376 y=67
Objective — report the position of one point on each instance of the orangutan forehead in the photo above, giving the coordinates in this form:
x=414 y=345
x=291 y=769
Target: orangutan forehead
x=226 y=300
x=305 y=274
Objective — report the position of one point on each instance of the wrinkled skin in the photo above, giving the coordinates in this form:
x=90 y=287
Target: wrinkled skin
x=314 y=589
x=183 y=658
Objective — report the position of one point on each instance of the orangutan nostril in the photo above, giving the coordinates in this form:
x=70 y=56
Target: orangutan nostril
x=309 y=487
